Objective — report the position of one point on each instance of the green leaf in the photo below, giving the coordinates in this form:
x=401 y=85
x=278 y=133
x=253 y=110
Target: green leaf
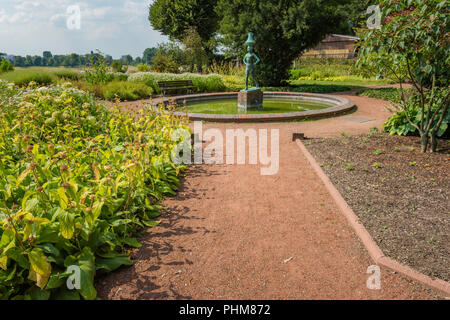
x=66 y=223
x=38 y=294
x=111 y=264
x=63 y=200
x=65 y=294
x=132 y=242
x=86 y=262
x=40 y=267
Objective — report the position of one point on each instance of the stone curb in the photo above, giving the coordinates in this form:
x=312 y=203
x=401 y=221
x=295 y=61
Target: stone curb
x=374 y=250
x=338 y=105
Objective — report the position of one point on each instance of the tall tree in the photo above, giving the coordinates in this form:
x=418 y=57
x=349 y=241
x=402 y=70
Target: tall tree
x=283 y=30
x=47 y=55
x=174 y=17
x=149 y=53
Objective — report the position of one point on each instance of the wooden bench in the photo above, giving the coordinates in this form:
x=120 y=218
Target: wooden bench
x=187 y=85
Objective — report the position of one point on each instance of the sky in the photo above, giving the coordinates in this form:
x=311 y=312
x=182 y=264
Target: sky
x=117 y=28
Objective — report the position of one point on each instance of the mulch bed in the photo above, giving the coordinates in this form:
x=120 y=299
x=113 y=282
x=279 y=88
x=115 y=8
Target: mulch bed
x=400 y=194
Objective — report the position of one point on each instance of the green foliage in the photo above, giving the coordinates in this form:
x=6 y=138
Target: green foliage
x=209 y=83
x=169 y=57
x=77 y=182
x=24 y=77
x=412 y=45
x=6 y=66
x=399 y=124
x=98 y=72
x=162 y=63
x=143 y=67
x=174 y=17
x=68 y=75
x=194 y=54
x=388 y=94
x=283 y=29
x=149 y=53
x=118 y=67
x=126 y=91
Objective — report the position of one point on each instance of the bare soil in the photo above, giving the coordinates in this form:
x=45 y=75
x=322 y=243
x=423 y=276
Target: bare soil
x=400 y=194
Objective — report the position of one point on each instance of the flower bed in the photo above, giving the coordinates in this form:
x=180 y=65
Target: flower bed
x=77 y=182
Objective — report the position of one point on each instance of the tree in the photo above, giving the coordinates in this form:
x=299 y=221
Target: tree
x=174 y=17
x=47 y=55
x=413 y=45
x=283 y=29
x=19 y=61
x=127 y=60
x=149 y=53
x=194 y=53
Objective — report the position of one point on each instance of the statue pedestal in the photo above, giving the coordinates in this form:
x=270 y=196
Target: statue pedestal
x=250 y=99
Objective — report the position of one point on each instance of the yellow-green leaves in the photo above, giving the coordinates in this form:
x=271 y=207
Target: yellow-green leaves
x=63 y=200
x=40 y=268
x=66 y=223
x=23 y=175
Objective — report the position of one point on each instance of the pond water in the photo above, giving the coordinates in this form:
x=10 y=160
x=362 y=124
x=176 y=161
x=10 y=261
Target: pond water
x=229 y=106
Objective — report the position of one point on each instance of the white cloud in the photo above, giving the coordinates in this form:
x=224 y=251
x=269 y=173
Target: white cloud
x=116 y=27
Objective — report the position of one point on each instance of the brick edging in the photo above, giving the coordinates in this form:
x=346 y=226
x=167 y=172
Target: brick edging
x=374 y=250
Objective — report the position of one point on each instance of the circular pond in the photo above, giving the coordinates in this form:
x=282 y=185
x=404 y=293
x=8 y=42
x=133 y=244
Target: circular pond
x=277 y=106
x=271 y=105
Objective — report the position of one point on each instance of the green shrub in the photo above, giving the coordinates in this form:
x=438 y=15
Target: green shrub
x=126 y=91
x=117 y=66
x=68 y=75
x=399 y=124
x=208 y=83
x=6 y=66
x=22 y=78
x=98 y=72
x=388 y=94
x=120 y=76
x=143 y=67
x=78 y=181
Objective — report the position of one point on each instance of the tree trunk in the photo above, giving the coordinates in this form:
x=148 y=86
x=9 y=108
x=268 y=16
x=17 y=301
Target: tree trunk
x=434 y=142
x=424 y=142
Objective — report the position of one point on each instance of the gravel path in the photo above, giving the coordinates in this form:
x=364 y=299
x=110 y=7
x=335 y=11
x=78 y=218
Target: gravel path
x=231 y=233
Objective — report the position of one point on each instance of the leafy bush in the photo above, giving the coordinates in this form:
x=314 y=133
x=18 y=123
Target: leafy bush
x=412 y=44
x=388 y=94
x=6 y=66
x=77 y=182
x=120 y=76
x=399 y=124
x=143 y=67
x=98 y=72
x=126 y=91
x=68 y=75
x=117 y=66
x=163 y=63
x=208 y=83
x=23 y=78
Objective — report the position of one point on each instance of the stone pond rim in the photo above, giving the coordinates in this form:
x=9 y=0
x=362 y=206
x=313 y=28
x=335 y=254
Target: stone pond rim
x=338 y=106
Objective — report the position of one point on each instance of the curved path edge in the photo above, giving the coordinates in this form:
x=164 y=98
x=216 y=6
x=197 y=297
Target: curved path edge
x=374 y=250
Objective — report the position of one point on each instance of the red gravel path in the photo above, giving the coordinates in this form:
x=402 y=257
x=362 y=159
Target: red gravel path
x=231 y=233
